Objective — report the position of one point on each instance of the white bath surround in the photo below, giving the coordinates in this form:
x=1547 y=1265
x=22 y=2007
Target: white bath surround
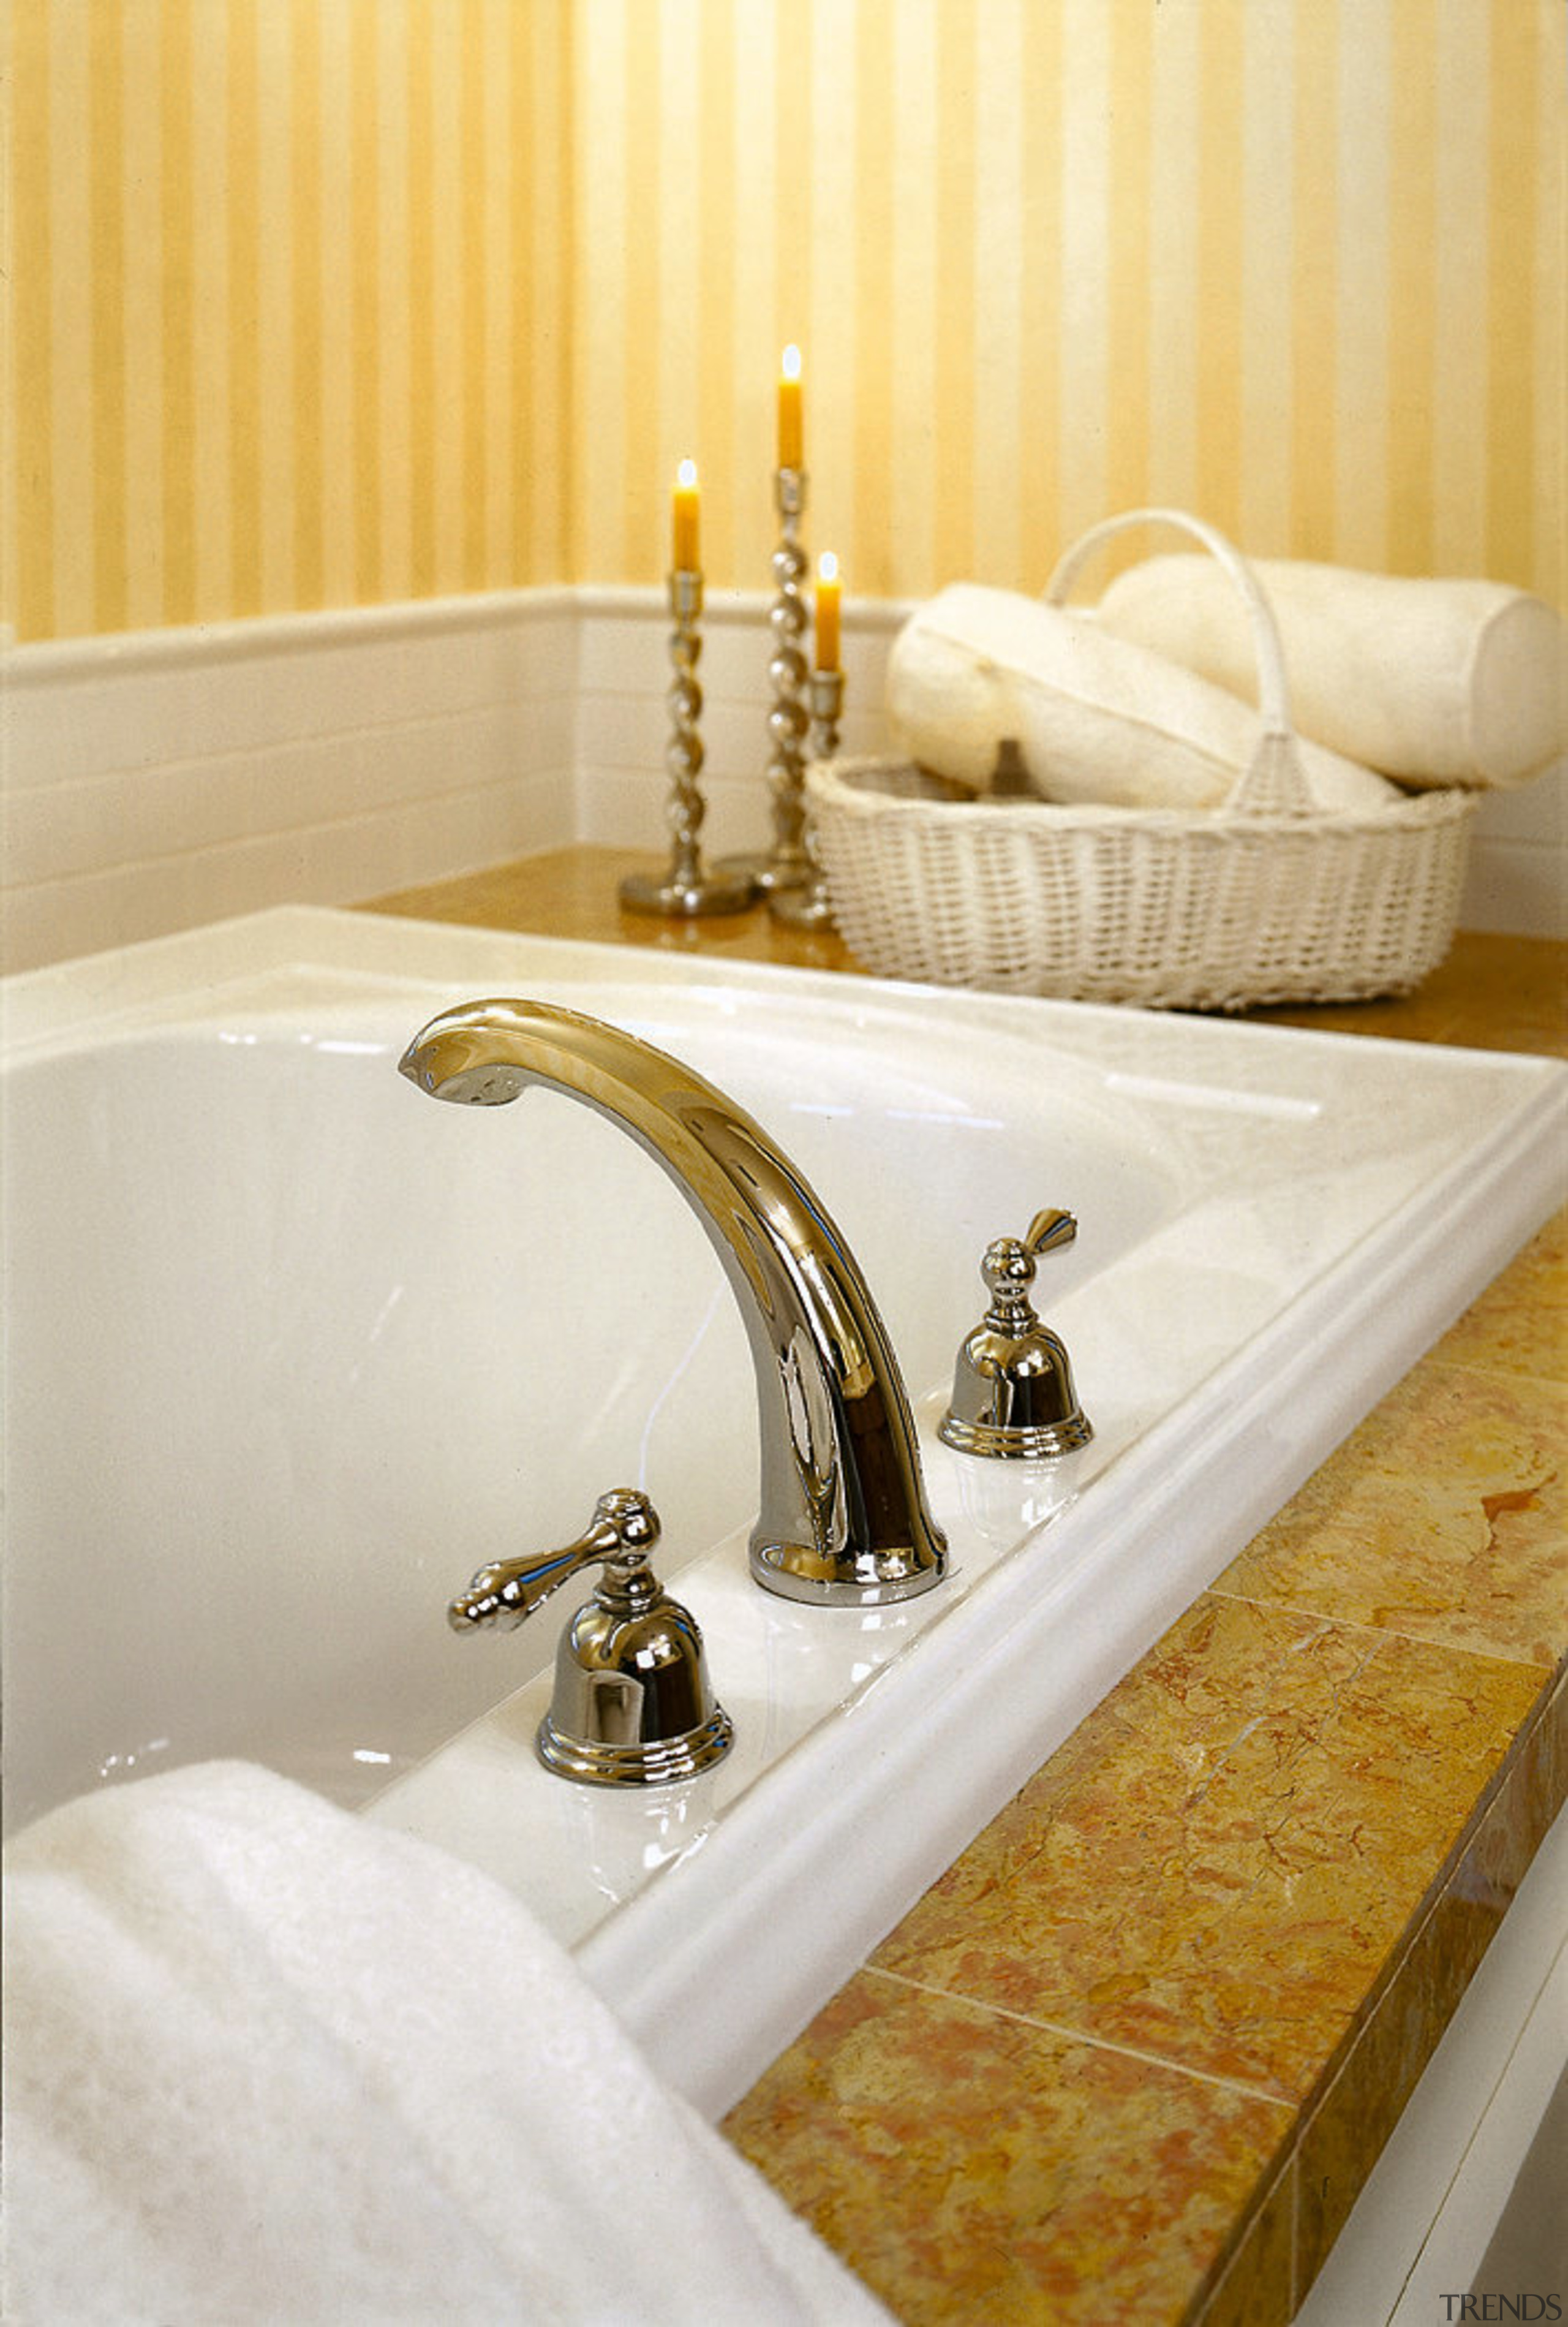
x=157 y=780
x=366 y=1338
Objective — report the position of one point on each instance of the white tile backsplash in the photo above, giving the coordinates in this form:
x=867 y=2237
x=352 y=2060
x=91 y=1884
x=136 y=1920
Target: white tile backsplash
x=1518 y=859
x=162 y=778
x=1535 y=814
x=623 y=725
x=1515 y=885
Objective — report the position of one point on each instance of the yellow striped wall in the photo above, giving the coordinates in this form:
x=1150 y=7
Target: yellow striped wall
x=290 y=304
x=331 y=301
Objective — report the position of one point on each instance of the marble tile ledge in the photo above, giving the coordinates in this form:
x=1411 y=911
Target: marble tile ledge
x=1218 y=1937
x=1134 y=2054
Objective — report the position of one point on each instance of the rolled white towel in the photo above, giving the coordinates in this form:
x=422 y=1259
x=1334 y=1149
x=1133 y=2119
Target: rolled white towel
x=1433 y=681
x=266 y=2061
x=1096 y=718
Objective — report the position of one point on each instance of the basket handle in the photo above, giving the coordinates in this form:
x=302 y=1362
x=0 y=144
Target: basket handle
x=1273 y=783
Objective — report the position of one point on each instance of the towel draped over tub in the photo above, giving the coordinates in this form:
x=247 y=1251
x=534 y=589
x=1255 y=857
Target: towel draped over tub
x=266 y=2061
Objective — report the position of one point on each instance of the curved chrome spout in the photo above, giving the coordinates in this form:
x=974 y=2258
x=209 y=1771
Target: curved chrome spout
x=843 y=1517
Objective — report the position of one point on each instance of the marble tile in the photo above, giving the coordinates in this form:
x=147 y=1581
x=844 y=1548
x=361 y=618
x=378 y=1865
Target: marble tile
x=1443 y=1517
x=574 y=893
x=1345 y=2131
x=975 y=2169
x=1257 y=2286
x=1218 y=1866
x=1520 y=1324
x=1493 y=991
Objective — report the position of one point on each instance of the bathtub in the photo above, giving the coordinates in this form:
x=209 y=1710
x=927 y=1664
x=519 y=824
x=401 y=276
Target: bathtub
x=291 y=1352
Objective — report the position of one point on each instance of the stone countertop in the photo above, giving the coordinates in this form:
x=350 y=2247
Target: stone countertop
x=1132 y=2056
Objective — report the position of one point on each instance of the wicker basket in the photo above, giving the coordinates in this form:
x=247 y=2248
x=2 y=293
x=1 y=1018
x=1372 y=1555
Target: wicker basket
x=1267 y=899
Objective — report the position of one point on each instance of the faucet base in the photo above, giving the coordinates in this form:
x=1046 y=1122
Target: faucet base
x=1014 y=1443
x=867 y=1579
x=653 y=1761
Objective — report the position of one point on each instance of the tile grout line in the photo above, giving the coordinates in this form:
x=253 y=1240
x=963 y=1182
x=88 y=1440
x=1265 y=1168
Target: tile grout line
x=1289 y=2157
x=1284 y=2169
x=218 y=757
x=1384 y=1632
x=506 y=785
x=1094 y=2043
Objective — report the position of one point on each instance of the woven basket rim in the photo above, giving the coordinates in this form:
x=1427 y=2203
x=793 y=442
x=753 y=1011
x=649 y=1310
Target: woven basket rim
x=849 y=783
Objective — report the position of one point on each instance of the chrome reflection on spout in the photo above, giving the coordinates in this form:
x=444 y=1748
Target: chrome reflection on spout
x=843 y=1518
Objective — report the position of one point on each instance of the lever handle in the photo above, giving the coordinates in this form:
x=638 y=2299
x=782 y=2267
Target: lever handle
x=623 y=1531
x=1051 y=1230
x=1008 y=1266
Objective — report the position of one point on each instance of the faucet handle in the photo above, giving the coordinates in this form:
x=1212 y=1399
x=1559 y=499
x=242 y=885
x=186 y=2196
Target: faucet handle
x=621 y=1533
x=1049 y=1231
x=631 y=1703
x=1012 y=1388
x=1009 y=1262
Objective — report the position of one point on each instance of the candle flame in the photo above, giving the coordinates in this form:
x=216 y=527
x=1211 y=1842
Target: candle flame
x=827 y=566
x=792 y=362
x=686 y=476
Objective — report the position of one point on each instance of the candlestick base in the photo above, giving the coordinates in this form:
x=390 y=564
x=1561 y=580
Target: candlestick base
x=715 y=891
x=769 y=874
x=803 y=907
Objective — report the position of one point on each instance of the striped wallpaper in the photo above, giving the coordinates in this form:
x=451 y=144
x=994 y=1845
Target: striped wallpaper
x=291 y=304
x=325 y=302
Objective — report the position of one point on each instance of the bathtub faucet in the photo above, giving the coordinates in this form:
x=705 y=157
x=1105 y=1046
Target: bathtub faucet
x=843 y=1518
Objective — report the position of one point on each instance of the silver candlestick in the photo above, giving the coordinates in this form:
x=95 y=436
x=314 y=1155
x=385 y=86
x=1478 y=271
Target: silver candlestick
x=804 y=905
x=786 y=864
x=686 y=886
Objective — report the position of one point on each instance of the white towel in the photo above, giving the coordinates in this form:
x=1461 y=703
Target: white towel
x=1095 y=719
x=1434 y=681
x=267 y=2062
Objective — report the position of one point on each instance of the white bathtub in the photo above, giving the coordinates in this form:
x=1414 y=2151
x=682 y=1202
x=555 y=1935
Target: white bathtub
x=292 y=1351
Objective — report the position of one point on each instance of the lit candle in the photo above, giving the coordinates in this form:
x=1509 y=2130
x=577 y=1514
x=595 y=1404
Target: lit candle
x=687 y=513
x=828 y=593
x=790 y=429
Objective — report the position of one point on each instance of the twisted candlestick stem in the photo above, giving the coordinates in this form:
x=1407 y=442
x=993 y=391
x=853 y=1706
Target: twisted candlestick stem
x=686 y=809
x=804 y=904
x=686 y=886
x=787 y=719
